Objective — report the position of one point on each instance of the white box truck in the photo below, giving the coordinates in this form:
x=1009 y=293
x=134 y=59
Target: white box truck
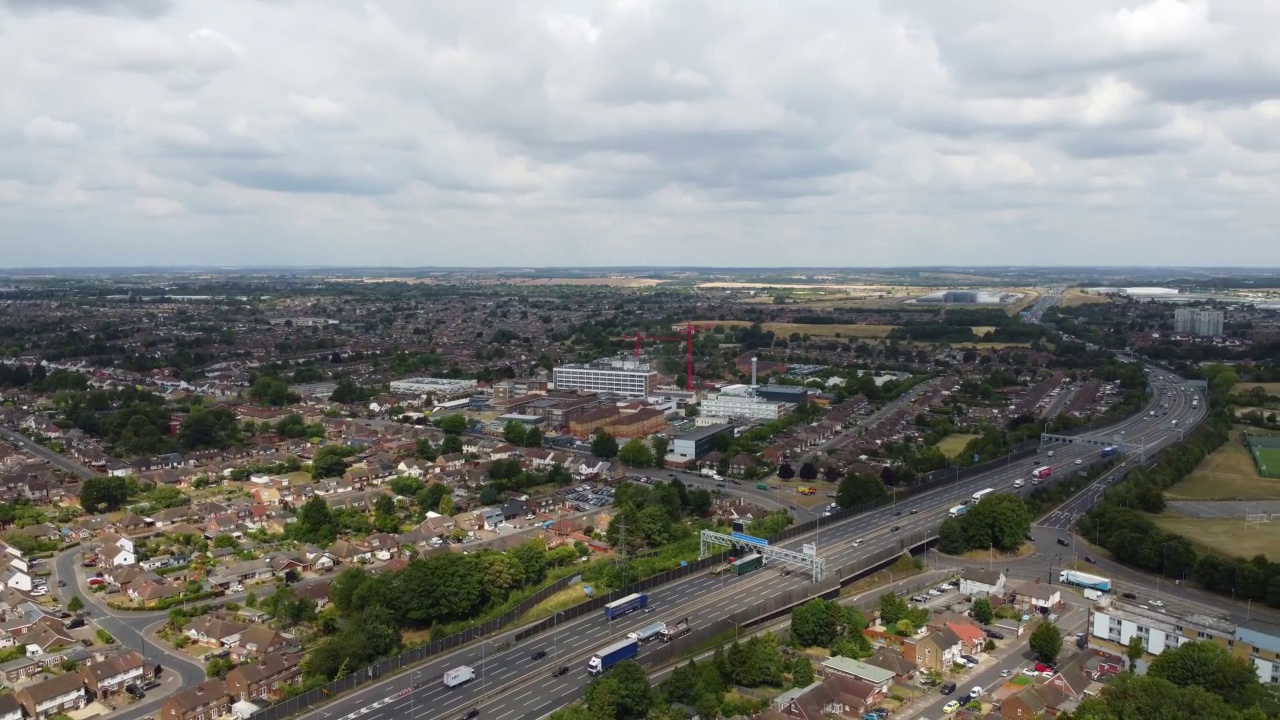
x=459 y=675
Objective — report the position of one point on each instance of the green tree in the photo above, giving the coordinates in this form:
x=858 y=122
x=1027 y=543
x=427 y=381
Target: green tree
x=315 y=523
x=801 y=671
x=453 y=424
x=533 y=437
x=813 y=624
x=892 y=609
x=273 y=391
x=808 y=472
x=623 y=694
x=860 y=489
x=204 y=428
x=1134 y=652
x=1046 y=642
x=450 y=444
x=1132 y=696
x=635 y=453
x=1001 y=521
x=1211 y=667
x=514 y=432
x=330 y=461
x=982 y=611
x=603 y=445
x=75 y=604
x=573 y=712
x=951 y=539
x=347 y=391
x=659 y=446
x=786 y=472
x=103 y=494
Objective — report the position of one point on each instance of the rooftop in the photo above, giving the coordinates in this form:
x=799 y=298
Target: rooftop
x=704 y=432
x=857 y=668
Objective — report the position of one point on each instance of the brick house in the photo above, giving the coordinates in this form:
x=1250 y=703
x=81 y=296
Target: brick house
x=109 y=676
x=937 y=651
x=206 y=701
x=264 y=680
x=59 y=694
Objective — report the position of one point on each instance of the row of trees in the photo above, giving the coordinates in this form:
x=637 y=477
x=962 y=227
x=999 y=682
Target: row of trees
x=370 y=610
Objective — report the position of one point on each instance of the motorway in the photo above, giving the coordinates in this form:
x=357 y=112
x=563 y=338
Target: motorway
x=511 y=686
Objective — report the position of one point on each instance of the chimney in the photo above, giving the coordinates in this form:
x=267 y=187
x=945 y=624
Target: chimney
x=753 y=371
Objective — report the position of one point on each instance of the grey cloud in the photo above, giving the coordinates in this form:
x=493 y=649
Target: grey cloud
x=124 y=8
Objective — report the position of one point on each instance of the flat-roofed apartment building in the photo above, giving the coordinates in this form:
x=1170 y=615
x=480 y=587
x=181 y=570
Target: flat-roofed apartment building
x=624 y=376
x=1113 y=624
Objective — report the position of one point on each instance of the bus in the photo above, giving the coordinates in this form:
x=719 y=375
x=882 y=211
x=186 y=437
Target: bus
x=977 y=497
x=1041 y=473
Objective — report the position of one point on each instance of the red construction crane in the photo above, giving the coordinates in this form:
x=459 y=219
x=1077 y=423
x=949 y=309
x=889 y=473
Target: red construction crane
x=687 y=337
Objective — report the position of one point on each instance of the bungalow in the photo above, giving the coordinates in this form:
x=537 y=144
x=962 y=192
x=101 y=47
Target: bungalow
x=213 y=632
x=346 y=551
x=893 y=661
x=258 y=640
x=241 y=572
x=978 y=582
x=877 y=677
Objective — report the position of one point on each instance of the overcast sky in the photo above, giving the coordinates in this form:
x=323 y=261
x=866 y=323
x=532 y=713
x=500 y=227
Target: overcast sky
x=832 y=132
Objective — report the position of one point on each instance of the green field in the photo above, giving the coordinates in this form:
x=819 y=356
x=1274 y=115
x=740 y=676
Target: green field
x=953 y=445
x=1229 y=537
x=1227 y=474
x=1269 y=458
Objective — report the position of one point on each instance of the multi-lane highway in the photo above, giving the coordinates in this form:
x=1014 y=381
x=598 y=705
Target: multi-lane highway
x=511 y=686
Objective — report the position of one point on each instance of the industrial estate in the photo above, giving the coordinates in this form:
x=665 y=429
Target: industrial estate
x=666 y=493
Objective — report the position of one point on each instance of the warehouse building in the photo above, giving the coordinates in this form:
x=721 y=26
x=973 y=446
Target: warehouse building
x=441 y=388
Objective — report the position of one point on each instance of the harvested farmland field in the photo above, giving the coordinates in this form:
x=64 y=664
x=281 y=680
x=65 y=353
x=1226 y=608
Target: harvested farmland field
x=1073 y=297
x=625 y=282
x=953 y=445
x=1244 y=387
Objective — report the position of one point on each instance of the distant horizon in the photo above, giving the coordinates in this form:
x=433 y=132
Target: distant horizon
x=615 y=268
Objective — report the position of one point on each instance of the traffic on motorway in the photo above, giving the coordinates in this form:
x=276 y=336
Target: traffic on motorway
x=537 y=675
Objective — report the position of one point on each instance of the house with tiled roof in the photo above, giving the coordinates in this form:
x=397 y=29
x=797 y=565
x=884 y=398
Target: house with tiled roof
x=264 y=681
x=205 y=701
x=59 y=694
x=109 y=675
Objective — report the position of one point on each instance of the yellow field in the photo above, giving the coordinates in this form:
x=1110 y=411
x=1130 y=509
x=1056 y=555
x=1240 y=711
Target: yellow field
x=1244 y=387
x=1227 y=474
x=785 y=329
x=981 y=330
x=1229 y=537
x=990 y=345
x=953 y=445
x=1073 y=297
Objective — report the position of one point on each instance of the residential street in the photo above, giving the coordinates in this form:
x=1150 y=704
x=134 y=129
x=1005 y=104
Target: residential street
x=45 y=453
x=134 y=630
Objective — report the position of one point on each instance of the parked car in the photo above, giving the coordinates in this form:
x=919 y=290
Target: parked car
x=1044 y=667
x=40 y=591
x=62 y=583
x=96 y=581
x=995 y=634
x=951 y=707
x=947 y=688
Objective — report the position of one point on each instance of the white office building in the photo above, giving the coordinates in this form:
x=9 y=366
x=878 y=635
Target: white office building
x=631 y=378
x=741 y=407
x=441 y=388
x=1113 y=624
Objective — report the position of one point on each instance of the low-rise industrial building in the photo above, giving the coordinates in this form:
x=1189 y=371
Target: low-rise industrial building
x=441 y=388
x=696 y=443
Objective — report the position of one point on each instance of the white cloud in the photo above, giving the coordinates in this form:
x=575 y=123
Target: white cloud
x=45 y=130
x=630 y=132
